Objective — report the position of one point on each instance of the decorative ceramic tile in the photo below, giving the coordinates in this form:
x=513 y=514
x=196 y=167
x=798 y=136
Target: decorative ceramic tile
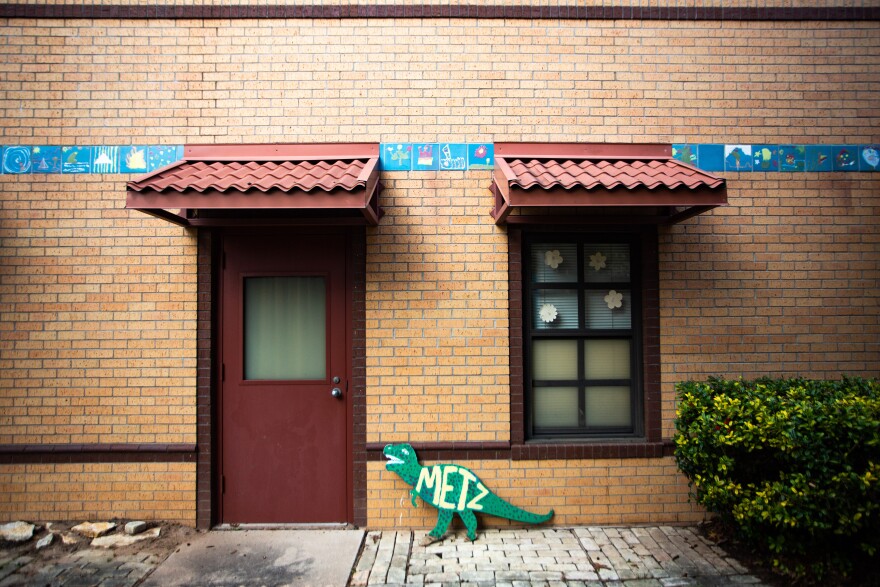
x=46 y=159
x=481 y=156
x=427 y=157
x=792 y=157
x=711 y=157
x=16 y=159
x=76 y=159
x=737 y=157
x=453 y=156
x=819 y=158
x=686 y=154
x=765 y=158
x=105 y=159
x=133 y=159
x=396 y=156
x=869 y=158
x=159 y=156
x=846 y=158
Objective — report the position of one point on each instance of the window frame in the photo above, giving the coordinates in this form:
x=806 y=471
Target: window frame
x=646 y=424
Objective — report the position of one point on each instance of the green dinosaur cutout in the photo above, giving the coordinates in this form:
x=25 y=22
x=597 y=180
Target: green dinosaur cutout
x=452 y=489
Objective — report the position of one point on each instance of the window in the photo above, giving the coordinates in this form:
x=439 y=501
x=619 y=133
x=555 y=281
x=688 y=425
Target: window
x=582 y=315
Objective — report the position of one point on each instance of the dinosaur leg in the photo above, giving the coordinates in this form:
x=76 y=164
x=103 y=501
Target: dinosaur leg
x=470 y=522
x=444 y=518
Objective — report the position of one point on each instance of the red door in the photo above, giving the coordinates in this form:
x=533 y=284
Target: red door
x=283 y=401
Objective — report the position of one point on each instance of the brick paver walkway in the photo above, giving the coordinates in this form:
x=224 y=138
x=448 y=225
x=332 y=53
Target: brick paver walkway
x=89 y=567
x=593 y=557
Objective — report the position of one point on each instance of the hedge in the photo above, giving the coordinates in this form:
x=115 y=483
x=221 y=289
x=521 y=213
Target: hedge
x=792 y=465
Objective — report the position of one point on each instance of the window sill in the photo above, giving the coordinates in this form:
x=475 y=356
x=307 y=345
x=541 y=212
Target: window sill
x=624 y=448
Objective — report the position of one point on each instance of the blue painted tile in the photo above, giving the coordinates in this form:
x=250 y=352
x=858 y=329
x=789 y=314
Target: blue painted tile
x=133 y=159
x=16 y=159
x=765 y=158
x=76 y=159
x=737 y=157
x=686 y=154
x=426 y=156
x=105 y=159
x=396 y=156
x=846 y=157
x=481 y=155
x=46 y=159
x=453 y=156
x=819 y=158
x=159 y=156
x=792 y=157
x=869 y=158
x=711 y=157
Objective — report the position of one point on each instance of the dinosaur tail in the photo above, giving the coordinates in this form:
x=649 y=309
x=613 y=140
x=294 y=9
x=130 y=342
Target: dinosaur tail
x=495 y=506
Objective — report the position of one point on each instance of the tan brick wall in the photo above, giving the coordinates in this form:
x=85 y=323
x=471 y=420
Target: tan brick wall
x=98 y=316
x=783 y=282
x=98 y=304
x=90 y=491
x=437 y=323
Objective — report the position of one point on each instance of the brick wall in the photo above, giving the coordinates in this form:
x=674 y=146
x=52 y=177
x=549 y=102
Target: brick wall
x=90 y=491
x=99 y=304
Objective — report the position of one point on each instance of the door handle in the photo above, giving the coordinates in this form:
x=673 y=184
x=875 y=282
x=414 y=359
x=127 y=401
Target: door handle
x=336 y=392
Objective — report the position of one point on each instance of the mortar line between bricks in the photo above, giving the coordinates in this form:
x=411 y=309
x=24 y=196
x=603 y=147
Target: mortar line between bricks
x=412 y=538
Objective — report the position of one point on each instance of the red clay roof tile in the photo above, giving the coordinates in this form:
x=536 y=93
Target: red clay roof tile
x=608 y=174
x=535 y=175
x=244 y=176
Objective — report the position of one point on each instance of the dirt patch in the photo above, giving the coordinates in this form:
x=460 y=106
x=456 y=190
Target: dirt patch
x=20 y=561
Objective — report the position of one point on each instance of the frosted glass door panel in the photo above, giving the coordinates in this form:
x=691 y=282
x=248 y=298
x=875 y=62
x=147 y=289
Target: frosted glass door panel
x=606 y=359
x=556 y=407
x=608 y=406
x=554 y=359
x=285 y=319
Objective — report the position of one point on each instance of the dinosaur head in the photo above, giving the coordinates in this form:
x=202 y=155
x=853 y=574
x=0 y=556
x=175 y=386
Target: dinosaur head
x=400 y=456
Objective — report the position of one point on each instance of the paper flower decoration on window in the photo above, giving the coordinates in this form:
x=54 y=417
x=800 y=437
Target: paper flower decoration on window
x=597 y=261
x=614 y=299
x=548 y=313
x=552 y=259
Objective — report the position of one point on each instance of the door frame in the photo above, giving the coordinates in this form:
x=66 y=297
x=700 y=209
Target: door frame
x=209 y=365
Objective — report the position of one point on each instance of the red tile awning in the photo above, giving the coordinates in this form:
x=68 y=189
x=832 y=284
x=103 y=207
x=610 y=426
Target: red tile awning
x=214 y=184
x=615 y=177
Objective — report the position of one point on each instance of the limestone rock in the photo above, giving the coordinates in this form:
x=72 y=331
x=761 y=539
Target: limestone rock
x=94 y=529
x=124 y=539
x=45 y=541
x=17 y=531
x=68 y=539
x=133 y=528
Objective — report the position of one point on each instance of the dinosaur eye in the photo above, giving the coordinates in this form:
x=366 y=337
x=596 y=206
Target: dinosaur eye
x=404 y=451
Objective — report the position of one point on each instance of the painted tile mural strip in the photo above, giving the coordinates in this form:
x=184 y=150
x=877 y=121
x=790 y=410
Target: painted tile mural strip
x=439 y=156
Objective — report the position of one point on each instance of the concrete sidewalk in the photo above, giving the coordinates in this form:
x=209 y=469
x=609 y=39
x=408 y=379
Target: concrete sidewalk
x=586 y=556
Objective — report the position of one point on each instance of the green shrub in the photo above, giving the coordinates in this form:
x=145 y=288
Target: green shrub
x=793 y=465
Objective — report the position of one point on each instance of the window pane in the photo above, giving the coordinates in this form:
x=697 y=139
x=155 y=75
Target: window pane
x=554 y=359
x=284 y=323
x=555 y=308
x=556 y=406
x=599 y=315
x=604 y=263
x=554 y=263
x=607 y=359
x=608 y=406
